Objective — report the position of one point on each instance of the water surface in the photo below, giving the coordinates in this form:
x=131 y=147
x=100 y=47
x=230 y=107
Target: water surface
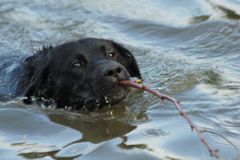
x=189 y=49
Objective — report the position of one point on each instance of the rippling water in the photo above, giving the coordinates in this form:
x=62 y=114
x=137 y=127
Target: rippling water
x=189 y=49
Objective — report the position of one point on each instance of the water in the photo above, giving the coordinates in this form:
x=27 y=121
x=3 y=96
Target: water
x=188 y=49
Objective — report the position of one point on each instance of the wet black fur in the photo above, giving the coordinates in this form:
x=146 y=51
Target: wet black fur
x=81 y=73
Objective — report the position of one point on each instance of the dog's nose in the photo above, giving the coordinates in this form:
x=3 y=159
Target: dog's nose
x=113 y=71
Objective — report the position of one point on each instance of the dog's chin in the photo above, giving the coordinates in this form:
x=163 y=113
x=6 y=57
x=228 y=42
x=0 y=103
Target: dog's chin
x=100 y=100
x=116 y=95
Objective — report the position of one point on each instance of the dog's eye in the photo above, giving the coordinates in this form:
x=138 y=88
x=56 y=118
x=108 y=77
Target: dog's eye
x=111 y=55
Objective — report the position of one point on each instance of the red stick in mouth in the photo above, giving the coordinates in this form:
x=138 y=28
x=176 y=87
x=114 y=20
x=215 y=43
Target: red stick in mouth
x=213 y=152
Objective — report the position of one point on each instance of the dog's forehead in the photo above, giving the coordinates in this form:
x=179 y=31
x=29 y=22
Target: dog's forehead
x=66 y=48
x=90 y=49
x=86 y=47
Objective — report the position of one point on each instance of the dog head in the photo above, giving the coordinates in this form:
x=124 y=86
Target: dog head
x=82 y=73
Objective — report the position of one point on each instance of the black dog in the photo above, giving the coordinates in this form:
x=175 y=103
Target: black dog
x=83 y=73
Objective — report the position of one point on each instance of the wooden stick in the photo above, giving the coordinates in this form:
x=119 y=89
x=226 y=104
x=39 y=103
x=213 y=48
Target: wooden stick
x=213 y=152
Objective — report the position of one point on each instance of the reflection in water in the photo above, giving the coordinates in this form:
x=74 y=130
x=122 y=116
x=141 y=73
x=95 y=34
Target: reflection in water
x=97 y=128
x=229 y=7
x=200 y=19
x=229 y=13
x=27 y=132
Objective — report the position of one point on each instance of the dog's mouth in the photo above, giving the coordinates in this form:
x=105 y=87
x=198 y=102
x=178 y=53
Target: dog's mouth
x=116 y=95
x=113 y=96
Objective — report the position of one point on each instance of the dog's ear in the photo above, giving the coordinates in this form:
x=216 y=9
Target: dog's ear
x=37 y=75
x=132 y=65
x=37 y=71
x=37 y=82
